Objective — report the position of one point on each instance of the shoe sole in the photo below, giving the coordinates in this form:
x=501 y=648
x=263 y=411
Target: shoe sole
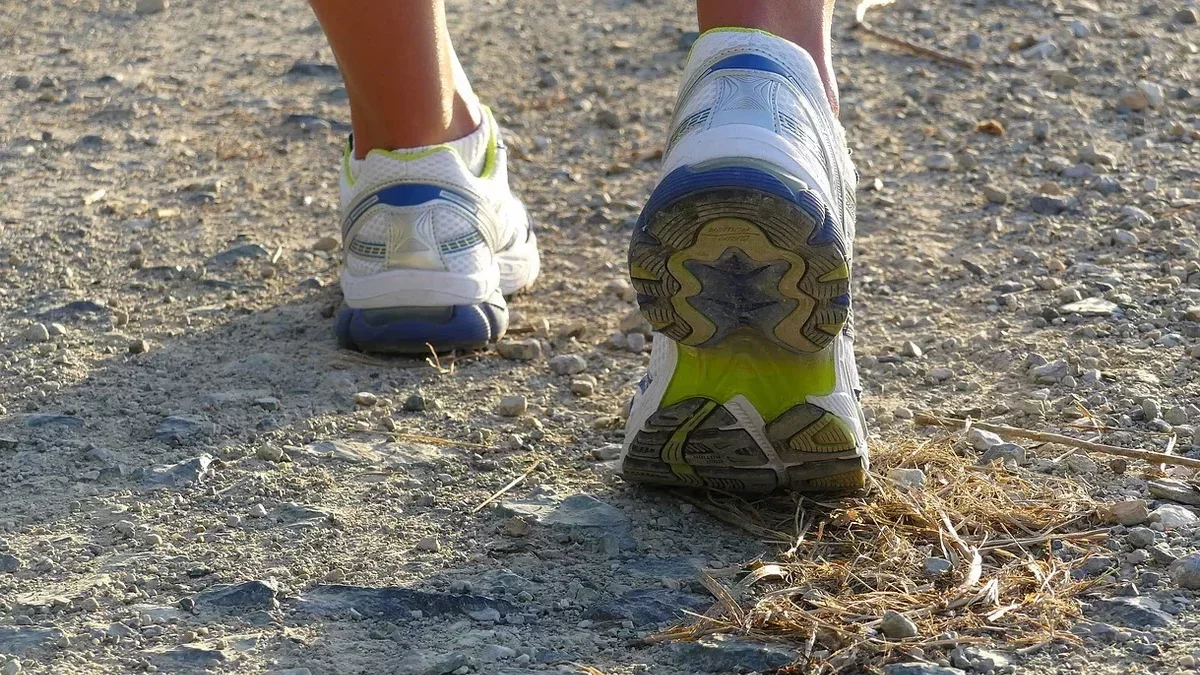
x=415 y=331
x=746 y=271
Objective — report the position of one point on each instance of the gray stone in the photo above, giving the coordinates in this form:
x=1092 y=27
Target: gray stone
x=920 y=669
x=978 y=659
x=1081 y=464
x=74 y=310
x=9 y=562
x=520 y=350
x=512 y=406
x=1186 y=571
x=1140 y=612
x=727 y=654
x=1172 y=516
x=38 y=332
x=392 y=603
x=897 y=626
x=313 y=69
x=649 y=606
x=1175 y=490
x=52 y=420
x=301 y=516
x=940 y=161
x=20 y=640
x=178 y=429
x=1048 y=206
x=1090 y=307
x=253 y=594
x=187 y=658
x=150 y=6
x=568 y=364
x=907 y=478
x=1141 y=537
x=185 y=473
x=243 y=252
x=982 y=440
x=1050 y=373
x=936 y=567
x=1007 y=453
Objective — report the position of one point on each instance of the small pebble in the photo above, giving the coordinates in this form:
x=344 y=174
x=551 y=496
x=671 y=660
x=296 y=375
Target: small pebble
x=584 y=385
x=897 y=626
x=415 y=403
x=326 y=243
x=568 y=364
x=258 y=511
x=366 y=399
x=138 y=347
x=512 y=406
x=429 y=544
x=520 y=350
x=38 y=332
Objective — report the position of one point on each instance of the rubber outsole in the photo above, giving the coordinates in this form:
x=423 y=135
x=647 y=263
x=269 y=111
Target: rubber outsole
x=745 y=270
x=738 y=247
x=419 y=330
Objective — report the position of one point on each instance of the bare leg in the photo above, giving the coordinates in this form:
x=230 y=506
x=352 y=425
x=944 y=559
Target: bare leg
x=399 y=68
x=805 y=22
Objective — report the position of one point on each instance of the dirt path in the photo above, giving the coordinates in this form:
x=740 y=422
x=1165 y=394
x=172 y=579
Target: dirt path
x=174 y=413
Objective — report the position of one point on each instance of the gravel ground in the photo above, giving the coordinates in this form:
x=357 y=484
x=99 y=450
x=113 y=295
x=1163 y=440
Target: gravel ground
x=193 y=476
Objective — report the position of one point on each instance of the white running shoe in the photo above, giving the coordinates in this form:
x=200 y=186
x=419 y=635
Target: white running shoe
x=430 y=249
x=742 y=260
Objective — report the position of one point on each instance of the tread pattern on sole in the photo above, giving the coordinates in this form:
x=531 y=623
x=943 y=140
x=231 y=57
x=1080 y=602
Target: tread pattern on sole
x=728 y=248
x=697 y=443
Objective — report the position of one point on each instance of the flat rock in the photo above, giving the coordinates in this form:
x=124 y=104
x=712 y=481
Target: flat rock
x=52 y=420
x=74 y=310
x=233 y=397
x=300 y=515
x=1140 y=612
x=188 y=472
x=346 y=451
x=253 y=594
x=649 y=606
x=236 y=253
x=1186 y=571
x=186 y=658
x=726 y=654
x=183 y=429
x=920 y=669
x=1173 y=515
x=674 y=567
x=1175 y=490
x=20 y=640
x=578 y=512
x=313 y=69
x=395 y=604
x=1090 y=307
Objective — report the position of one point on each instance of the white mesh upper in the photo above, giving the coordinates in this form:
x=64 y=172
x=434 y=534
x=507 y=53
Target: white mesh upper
x=443 y=227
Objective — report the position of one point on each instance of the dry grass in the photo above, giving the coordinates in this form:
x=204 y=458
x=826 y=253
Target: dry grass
x=841 y=564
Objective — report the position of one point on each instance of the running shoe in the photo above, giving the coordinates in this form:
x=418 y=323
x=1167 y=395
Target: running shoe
x=430 y=249
x=741 y=260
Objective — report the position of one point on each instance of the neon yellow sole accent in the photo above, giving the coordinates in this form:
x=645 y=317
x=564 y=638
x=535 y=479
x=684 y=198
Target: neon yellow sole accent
x=638 y=272
x=828 y=434
x=716 y=237
x=836 y=274
x=770 y=377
